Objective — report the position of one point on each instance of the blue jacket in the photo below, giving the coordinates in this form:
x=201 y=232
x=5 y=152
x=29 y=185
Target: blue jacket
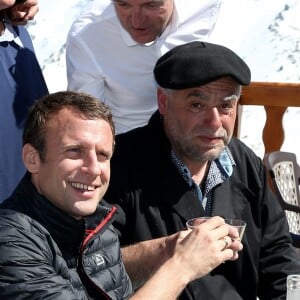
x=21 y=83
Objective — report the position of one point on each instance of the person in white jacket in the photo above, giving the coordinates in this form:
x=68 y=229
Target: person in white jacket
x=113 y=46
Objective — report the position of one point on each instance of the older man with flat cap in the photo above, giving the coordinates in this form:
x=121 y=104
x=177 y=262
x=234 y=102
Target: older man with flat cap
x=185 y=163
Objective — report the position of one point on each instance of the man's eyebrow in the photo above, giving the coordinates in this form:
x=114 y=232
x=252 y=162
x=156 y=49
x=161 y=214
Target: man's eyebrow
x=205 y=96
x=231 y=97
x=198 y=94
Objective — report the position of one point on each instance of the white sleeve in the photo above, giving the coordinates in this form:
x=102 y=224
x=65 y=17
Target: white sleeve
x=83 y=71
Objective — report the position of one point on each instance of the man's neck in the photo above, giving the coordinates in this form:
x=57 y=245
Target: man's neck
x=199 y=172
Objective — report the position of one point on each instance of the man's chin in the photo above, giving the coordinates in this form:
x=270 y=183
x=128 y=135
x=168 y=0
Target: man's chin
x=84 y=209
x=141 y=37
x=213 y=153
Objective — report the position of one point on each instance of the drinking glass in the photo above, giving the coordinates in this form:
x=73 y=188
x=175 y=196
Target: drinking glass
x=238 y=224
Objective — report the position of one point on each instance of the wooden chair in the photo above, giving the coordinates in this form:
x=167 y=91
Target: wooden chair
x=284 y=174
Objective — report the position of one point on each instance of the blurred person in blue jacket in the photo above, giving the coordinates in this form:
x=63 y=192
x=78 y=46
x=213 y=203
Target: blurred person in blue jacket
x=21 y=83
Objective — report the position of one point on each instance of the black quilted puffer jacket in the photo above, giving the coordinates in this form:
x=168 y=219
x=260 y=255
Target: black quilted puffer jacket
x=46 y=254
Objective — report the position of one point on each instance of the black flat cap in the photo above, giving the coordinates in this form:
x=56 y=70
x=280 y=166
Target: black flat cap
x=198 y=63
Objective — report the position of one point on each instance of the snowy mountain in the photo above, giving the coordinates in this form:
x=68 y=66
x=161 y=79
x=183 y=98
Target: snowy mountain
x=266 y=33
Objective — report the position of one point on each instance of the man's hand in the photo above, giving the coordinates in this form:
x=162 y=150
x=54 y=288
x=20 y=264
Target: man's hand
x=21 y=13
x=184 y=257
x=199 y=251
x=205 y=247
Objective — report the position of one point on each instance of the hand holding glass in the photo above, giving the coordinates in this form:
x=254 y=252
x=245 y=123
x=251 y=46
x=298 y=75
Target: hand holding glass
x=229 y=241
x=238 y=224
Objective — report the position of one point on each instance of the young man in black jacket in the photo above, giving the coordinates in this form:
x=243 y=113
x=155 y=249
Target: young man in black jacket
x=185 y=163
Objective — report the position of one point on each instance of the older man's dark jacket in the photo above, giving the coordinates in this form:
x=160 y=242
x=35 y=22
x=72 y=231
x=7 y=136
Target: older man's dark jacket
x=47 y=254
x=157 y=202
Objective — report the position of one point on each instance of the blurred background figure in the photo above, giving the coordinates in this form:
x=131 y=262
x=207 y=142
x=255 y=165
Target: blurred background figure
x=21 y=83
x=113 y=46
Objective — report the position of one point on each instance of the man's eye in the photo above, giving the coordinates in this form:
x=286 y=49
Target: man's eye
x=121 y=3
x=198 y=105
x=226 y=106
x=73 y=150
x=103 y=156
x=153 y=5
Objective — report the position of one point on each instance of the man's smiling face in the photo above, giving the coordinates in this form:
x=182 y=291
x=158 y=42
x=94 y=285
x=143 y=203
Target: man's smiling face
x=75 y=173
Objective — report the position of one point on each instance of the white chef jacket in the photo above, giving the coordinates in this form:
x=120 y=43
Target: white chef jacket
x=104 y=61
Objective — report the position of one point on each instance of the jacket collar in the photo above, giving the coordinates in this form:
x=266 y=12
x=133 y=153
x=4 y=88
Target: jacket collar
x=11 y=33
x=184 y=204
x=179 y=197
x=64 y=229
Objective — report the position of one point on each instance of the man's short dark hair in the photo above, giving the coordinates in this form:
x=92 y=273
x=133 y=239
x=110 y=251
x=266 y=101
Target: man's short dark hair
x=43 y=109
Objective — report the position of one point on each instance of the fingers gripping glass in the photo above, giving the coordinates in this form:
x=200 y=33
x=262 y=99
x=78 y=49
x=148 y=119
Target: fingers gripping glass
x=239 y=225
